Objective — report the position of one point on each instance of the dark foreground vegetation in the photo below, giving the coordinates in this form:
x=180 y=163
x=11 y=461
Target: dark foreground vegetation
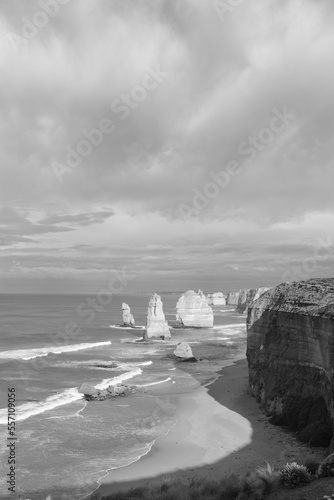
x=257 y=485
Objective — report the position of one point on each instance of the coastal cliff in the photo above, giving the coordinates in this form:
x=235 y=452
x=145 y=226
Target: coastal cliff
x=290 y=353
x=246 y=297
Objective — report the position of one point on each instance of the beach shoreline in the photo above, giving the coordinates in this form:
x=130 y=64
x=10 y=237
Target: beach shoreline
x=222 y=414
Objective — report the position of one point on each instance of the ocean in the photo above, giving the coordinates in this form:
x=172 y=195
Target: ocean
x=65 y=444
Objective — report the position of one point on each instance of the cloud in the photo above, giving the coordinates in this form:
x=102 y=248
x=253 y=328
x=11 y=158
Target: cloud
x=85 y=219
x=223 y=79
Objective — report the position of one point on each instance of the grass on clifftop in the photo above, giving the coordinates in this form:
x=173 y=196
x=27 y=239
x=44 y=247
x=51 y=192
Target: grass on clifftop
x=255 y=485
x=264 y=482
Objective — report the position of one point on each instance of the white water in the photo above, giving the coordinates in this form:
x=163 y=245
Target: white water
x=68 y=396
x=27 y=354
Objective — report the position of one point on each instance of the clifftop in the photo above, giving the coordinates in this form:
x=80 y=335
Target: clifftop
x=314 y=297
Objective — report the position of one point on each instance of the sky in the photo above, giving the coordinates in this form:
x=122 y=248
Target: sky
x=165 y=144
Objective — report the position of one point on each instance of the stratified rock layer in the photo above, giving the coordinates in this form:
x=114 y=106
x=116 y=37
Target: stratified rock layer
x=246 y=297
x=216 y=299
x=290 y=352
x=128 y=319
x=232 y=298
x=194 y=311
x=156 y=326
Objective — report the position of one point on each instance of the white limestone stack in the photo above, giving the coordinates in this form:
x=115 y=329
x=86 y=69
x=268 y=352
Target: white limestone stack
x=128 y=319
x=194 y=311
x=156 y=326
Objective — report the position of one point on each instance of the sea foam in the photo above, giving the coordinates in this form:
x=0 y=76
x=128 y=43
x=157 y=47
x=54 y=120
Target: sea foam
x=66 y=397
x=27 y=354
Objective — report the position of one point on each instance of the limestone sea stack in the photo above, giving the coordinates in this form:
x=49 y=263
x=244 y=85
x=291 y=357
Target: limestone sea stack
x=216 y=299
x=290 y=352
x=128 y=319
x=156 y=326
x=232 y=298
x=192 y=310
x=246 y=297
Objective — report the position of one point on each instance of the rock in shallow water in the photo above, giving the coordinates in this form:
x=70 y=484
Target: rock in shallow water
x=183 y=352
x=92 y=394
x=194 y=311
x=290 y=352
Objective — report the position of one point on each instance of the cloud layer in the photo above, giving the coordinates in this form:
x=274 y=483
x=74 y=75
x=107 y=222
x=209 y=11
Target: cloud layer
x=117 y=117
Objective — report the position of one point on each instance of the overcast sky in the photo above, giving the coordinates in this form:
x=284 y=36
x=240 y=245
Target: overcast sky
x=208 y=147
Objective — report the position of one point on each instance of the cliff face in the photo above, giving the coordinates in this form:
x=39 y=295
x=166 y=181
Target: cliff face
x=246 y=297
x=290 y=352
x=194 y=311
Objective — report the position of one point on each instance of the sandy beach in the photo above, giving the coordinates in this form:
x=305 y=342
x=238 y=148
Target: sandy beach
x=220 y=429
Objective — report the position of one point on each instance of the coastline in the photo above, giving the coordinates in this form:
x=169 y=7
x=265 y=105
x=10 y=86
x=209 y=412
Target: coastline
x=220 y=430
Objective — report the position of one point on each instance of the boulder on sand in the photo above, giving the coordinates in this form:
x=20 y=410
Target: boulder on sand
x=156 y=326
x=128 y=319
x=194 y=311
x=183 y=352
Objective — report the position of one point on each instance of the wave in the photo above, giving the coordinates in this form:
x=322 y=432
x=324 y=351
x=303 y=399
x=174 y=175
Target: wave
x=90 y=364
x=68 y=396
x=233 y=325
x=27 y=354
x=156 y=383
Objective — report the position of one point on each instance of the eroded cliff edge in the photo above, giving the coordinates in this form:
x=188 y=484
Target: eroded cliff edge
x=290 y=352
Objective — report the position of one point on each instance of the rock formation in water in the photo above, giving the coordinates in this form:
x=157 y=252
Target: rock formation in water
x=246 y=297
x=290 y=352
x=216 y=299
x=92 y=394
x=232 y=298
x=193 y=311
x=183 y=352
x=128 y=319
x=156 y=326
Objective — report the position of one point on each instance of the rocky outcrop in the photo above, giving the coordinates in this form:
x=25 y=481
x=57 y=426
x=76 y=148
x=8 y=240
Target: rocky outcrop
x=193 y=311
x=232 y=298
x=92 y=394
x=183 y=352
x=156 y=326
x=290 y=352
x=246 y=297
x=128 y=319
x=216 y=299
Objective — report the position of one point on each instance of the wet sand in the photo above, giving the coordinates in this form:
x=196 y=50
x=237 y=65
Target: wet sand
x=220 y=430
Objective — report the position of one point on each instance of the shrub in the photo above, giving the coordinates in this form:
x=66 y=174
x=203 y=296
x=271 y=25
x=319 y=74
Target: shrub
x=312 y=466
x=230 y=487
x=270 y=477
x=294 y=475
x=326 y=468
